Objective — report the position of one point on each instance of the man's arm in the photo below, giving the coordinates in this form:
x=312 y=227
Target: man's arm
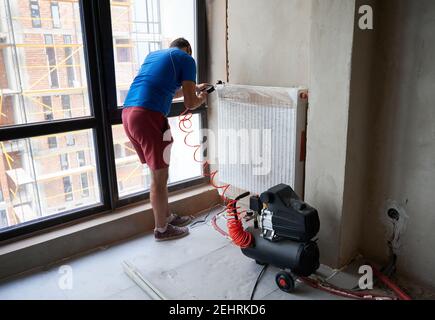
x=192 y=100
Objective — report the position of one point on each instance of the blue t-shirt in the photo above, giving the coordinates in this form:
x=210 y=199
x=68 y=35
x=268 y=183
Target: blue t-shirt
x=159 y=78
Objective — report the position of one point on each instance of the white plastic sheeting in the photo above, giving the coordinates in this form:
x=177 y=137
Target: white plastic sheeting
x=260 y=135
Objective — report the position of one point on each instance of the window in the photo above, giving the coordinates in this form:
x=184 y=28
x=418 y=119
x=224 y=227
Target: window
x=35 y=14
x=81 y=158
x=118 y=151
x=57 y=112
x=70 y=140
x=136 y=178
x=69 y=61
x=67 y=189
x=122 y=95
x=123 y=51
x=84 y=185
x=148 y=16
x=55 y=15
x=64 y=164
x=146 y=33
x=51 y=57
x=48 y=108
x=52 y=142
x=1 y=196
x=154 y=46
x=66 y=106
x=36 y=176
x=34 y=64
x=3 y=219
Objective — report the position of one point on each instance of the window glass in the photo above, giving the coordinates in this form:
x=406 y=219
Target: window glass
x=55 y=14
x=35 y=14
x=41 y=55
x=142 y=26
x=40 y=176
x=134 y=177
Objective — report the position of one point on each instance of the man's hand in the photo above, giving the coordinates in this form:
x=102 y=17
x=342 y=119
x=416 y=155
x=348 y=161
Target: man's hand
x=201 y=87
x=192 y=99
x=203 y=96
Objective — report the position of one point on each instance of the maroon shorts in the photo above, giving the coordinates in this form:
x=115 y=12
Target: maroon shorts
x=150 y=134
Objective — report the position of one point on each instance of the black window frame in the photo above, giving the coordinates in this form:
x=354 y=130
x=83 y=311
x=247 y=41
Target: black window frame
x=105 y=113
x=115 y=111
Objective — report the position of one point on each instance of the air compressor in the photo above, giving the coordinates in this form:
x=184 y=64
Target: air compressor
x=283 y=233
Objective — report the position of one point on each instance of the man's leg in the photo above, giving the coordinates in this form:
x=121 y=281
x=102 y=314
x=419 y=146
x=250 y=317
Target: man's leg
x=159 y=196
x=159 y=201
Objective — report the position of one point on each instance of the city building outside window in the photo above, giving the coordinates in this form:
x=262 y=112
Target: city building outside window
x=48 y=108
x=3 y=219
x=84 y=185
x=52 y=142
x=81 y=158
x=154 y=46
x=35 y=14
x=51 y=58
x=66 y=106
x=122 y=95
x=123 y=50
x=70 y=140
x=118 y=151
x=67 y=189
x=67 y=39
x=55 y=14
x=64 y=163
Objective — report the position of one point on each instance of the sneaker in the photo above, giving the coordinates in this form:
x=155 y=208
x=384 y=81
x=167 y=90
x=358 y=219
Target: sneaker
x=171 y=233
x=179 y=221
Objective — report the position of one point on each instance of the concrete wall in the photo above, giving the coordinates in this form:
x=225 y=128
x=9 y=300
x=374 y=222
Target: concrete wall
x=269 y=42
x=358 y=138
x=403 y=136
x=331 y=49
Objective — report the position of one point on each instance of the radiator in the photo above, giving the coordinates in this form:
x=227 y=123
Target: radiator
x=261 y=138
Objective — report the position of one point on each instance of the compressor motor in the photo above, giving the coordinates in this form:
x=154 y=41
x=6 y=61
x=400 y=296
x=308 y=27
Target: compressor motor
x=284 y=228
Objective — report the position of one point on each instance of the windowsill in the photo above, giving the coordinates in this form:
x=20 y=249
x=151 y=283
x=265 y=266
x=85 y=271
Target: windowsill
x=105 y=229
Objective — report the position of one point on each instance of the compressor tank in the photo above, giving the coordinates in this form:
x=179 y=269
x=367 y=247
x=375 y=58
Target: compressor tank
x=301 y=258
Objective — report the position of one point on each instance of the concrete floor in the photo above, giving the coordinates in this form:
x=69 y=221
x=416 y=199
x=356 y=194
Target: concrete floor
x=203 y=265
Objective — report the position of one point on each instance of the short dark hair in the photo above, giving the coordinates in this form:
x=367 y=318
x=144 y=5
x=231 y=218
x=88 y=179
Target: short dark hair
x=180 y=43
